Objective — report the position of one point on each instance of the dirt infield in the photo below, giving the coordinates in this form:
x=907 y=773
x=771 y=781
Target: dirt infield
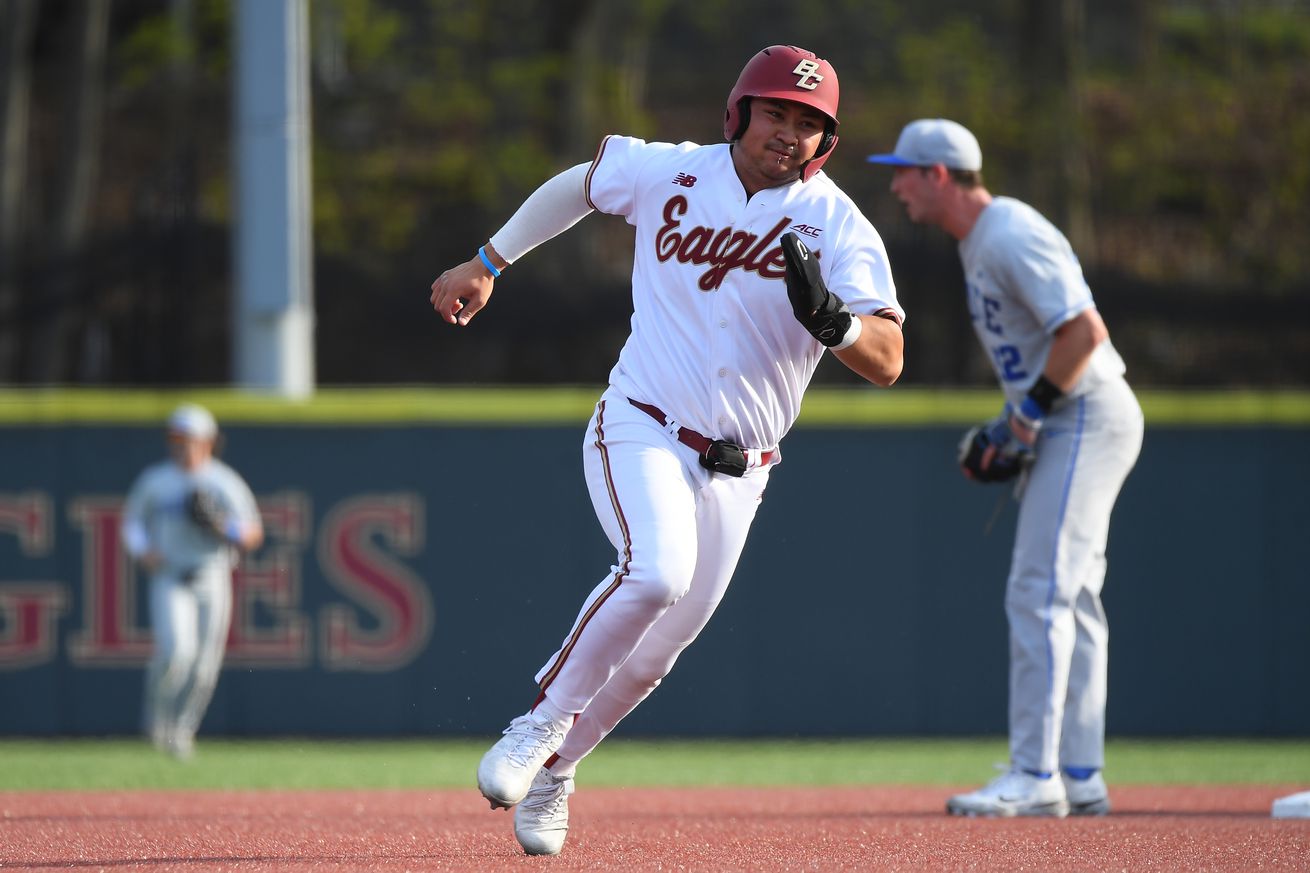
x=851 y=828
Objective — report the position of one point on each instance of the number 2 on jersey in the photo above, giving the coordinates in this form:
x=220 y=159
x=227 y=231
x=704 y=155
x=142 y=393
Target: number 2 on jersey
x=1009 y=362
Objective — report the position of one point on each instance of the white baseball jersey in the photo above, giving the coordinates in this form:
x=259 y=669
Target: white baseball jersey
x=716 y=347
x=1024 y=281
x=714 y=341
x=156 y=510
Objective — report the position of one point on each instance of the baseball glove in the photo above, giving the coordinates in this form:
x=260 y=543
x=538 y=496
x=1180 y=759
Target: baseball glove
x=991 y=453
x=207 y=512
x=822 y=313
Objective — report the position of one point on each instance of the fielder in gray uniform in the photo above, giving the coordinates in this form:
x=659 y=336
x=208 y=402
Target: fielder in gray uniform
x=1069 y=433
x=185 y=522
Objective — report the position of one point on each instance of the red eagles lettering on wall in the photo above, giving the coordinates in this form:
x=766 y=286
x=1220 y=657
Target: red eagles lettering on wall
x=724 y=250
x=400 y=603
x=113 y=633
x=268 y=585
x=384 y=626
x=29 y=610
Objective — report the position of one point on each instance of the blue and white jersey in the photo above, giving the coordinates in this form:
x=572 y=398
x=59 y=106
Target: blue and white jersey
x=155 y=516
x=1024 y=281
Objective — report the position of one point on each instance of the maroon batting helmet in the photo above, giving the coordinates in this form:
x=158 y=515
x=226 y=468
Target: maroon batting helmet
x=785 y=72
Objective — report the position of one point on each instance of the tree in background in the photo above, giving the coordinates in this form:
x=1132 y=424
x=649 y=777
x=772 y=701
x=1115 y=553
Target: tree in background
x=1168 y=136
x=17 y=24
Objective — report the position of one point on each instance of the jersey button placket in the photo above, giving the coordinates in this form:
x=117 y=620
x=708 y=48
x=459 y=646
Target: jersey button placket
x=721 y=346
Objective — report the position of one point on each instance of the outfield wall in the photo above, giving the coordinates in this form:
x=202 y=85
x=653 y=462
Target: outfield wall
x=420 y=566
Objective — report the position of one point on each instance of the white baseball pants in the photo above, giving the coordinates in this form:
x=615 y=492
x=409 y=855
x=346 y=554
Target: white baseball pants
x=189 y=621
x=678 y=530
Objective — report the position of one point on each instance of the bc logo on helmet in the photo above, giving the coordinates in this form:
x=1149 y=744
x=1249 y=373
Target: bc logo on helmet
x=808 y=71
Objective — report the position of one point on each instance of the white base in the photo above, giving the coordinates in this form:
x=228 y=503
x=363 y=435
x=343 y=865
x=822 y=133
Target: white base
x=1293 y=806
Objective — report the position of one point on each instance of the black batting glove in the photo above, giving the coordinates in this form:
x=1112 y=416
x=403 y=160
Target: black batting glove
x=822 y=313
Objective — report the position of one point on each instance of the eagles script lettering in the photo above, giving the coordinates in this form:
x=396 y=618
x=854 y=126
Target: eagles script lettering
x=724 y=250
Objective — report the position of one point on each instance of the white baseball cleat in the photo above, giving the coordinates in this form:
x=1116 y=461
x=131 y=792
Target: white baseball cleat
x=507 y=769
x=159 y=738
x=1014 y=793
x=541 y=821
x=1086 y=796
x=181 y=745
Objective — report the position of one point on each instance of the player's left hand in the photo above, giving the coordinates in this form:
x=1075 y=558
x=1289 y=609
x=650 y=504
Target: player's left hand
x=822 y=313
x=995 y=451
x=461 y=292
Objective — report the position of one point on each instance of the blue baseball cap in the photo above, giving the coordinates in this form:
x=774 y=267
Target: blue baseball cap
x=931 y=141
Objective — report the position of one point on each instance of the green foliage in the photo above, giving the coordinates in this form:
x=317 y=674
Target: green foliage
x=147 y=51
x=961 y=76
x=448 y=107
x=977 y=88
x=155 y=43
x=1182 y=140
x=371 y=30
x=1200 y=156
x=435 y=117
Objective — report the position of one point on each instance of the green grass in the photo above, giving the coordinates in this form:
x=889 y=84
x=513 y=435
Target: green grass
x=31 y=764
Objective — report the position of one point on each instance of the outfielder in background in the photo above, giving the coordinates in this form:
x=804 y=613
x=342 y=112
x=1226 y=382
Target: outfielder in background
x=732 y=312
x=1069 y=434
x=185 y=522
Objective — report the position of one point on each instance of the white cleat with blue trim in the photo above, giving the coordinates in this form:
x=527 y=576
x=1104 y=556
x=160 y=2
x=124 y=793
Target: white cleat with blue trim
x=1014 y=793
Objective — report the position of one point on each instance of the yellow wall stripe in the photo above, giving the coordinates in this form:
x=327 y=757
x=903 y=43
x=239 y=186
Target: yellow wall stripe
x=551 y=405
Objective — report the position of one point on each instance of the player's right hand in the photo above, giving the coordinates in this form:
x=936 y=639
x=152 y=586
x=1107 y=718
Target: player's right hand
x=460 y=293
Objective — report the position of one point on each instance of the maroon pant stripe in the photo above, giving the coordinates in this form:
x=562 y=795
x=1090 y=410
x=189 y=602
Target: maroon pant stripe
x=619 y=576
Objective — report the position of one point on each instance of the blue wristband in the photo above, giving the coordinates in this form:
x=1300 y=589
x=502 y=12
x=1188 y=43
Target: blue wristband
x=1031 y=410
x=482 y=253
x=232 y=530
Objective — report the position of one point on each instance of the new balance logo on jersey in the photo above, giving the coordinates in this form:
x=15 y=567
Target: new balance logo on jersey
x=684 y=180
x=723 y=250
x=808 y=71
x=808 y=230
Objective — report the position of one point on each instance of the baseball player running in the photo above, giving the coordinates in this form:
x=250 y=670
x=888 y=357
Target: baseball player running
x=1069 y=433
x=749 y=263
x=185 y=520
